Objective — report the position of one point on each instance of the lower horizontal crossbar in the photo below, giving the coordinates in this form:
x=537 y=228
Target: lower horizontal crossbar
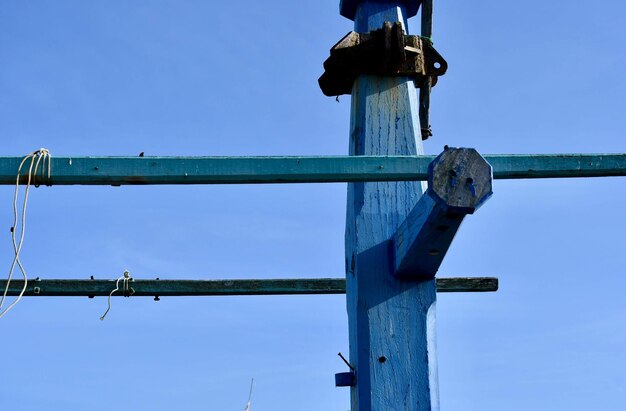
x=143 y=288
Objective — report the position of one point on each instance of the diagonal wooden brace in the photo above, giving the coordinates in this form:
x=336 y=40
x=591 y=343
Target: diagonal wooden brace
x=459 y=181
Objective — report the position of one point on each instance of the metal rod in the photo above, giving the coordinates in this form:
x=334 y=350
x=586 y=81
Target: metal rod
x=143 y=288
x=425 y=87
x=257 y=170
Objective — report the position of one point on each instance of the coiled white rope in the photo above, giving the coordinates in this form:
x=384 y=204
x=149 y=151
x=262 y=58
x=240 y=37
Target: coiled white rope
x=37 y=158
x=127 y=290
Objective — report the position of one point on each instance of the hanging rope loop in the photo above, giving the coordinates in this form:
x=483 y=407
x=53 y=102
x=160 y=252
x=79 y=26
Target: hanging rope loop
x=37 y=158
x=127 y=291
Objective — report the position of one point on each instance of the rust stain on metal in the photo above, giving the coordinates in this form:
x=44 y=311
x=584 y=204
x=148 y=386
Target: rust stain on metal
x=383 y=52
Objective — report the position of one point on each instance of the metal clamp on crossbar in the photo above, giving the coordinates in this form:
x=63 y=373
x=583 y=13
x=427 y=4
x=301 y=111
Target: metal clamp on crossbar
x=384 y=52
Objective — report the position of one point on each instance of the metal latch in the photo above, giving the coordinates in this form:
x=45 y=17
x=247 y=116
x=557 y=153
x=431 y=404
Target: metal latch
x=383 y=52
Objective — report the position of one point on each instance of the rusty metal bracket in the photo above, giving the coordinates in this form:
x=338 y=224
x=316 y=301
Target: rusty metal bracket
x=383 y=52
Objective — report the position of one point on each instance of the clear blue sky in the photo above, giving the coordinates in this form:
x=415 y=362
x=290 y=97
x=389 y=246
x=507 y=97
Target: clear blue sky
x=240 y=78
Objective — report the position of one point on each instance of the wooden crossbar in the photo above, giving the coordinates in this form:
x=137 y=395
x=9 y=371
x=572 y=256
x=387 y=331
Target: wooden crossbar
x=293 y=286
x=334 y=169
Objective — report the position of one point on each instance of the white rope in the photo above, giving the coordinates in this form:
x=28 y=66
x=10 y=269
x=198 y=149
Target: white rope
x=41 y=155
x=126 y=278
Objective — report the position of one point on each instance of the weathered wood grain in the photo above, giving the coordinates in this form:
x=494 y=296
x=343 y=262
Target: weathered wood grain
x=333 y=169
x=459 y=182
x=391 y=322
x=181 y=288
x=460 y=179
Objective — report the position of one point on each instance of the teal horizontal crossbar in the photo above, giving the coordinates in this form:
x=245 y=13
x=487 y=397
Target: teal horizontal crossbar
x=334 y=169
x=93 y=288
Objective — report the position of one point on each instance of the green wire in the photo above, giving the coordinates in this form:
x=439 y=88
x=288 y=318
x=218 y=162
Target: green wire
x=429 y=39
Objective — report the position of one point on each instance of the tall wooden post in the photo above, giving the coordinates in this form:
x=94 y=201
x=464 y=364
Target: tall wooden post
x=391 y=321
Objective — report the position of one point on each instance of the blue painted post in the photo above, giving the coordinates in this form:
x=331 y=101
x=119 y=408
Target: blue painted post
x=459 y=181
x=391 y=322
